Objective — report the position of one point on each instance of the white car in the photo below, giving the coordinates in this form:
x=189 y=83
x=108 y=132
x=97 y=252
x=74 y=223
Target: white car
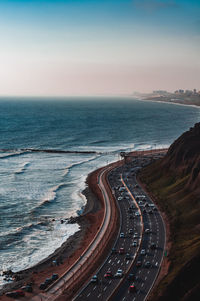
x=122 y=235
x=119 y=273
x=143 y=252
x=147 y=231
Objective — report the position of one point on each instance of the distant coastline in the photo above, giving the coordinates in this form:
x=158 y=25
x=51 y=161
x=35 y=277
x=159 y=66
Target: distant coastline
x=181 y=99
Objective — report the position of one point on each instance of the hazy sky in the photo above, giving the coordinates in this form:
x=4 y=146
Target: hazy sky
x=93 y=47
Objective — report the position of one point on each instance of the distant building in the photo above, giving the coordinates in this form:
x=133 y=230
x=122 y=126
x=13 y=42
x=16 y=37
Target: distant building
x=160 y=92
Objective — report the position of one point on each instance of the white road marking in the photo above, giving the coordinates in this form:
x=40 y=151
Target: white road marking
x=99 y=296
x=118 y=261
x=94 y=288
x=88 y=295
x=109 y=261
x=105 y=288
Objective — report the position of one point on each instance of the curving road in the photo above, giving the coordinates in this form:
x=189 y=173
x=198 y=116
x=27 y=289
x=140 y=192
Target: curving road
x=137 y=213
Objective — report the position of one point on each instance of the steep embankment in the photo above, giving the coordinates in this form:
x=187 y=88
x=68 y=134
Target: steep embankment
x=175 y=184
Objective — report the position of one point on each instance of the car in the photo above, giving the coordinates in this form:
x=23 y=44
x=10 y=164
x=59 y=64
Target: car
x=108 y=274
x=150 y=211
x=94 y=279
x=113 y=251
x=130 y=231
x=122 y=235
x=134 y=244
x=144 y=211
x=153 y=245
x=121 y=251
x=135 y=235
x=138 y=263
x=128 y=256
x=131 y=216
x=146 y=205
x=154 y=208
x=143 y=252
x=48 y=281
x=43 y=286
x=137 y=213
x=119 y=274
x=54 y=277
x=132 y=288
x=147 y=264
x=147 y=230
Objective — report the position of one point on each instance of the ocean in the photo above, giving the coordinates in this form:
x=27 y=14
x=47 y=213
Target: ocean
x=47 y=149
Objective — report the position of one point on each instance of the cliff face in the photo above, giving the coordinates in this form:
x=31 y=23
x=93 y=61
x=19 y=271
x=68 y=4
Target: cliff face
x=183 y=158
x=174 y=182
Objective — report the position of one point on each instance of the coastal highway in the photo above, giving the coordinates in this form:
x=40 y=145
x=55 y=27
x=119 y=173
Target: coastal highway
x=144 y=232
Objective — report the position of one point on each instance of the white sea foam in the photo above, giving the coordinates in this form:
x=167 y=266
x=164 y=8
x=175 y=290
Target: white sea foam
x=22 y=168
x=34 y=253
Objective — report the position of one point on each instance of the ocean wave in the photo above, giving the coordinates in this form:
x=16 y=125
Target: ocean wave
x=12 y=153
x=9 y=237
x=79 y=163
x=49 y=197
x=22 y=168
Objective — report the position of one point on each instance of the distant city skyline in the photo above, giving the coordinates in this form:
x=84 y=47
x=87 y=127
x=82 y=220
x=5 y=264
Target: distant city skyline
x=93 y=47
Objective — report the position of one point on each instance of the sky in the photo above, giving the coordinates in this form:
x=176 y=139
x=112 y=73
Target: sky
x=93 y=47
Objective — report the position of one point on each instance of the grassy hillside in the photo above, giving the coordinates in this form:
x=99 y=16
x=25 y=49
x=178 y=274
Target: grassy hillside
x=175 y=184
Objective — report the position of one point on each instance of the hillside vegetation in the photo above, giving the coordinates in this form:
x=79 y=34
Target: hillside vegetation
x=175 y=183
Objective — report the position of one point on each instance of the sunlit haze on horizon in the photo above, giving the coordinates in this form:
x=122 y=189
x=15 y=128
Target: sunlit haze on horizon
x=93 y=47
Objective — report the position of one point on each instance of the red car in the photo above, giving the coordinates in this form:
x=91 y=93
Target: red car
x=108 y=275
x=132 y=288
x=121 y=251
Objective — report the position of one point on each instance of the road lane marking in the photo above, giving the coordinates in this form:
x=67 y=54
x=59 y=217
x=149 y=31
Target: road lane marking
x=88 y=295
x=94 y=288
x=105 y=288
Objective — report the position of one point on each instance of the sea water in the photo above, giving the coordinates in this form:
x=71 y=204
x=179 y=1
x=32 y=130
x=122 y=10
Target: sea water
x=47 y=149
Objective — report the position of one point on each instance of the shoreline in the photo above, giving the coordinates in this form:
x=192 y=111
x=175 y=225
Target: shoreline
x=171 y=102
x=70 y=250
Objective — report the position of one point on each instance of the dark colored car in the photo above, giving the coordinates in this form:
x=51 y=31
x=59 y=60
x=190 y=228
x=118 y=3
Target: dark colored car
x=108 y=275
x=138 y=263
x=132 y=288
x=153 y=245
x=54 y=277
x=147 y=264
x=121 y=251
x=113 y=251
x=43 y=286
